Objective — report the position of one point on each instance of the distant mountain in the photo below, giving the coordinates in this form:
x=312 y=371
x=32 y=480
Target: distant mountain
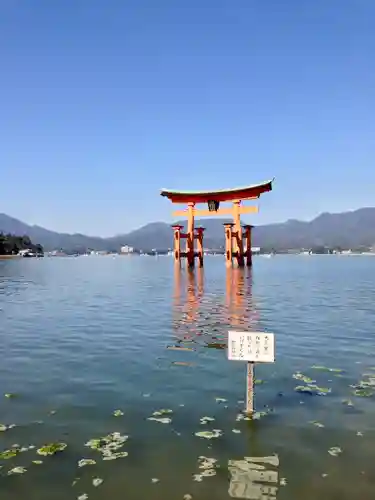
x=50 y=240
x=347 y=230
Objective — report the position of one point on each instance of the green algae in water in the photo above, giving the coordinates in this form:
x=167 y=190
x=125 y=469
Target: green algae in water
x=86 y=461
x=51 y=449
x=335 y=451
x=258 y=381
x=241 y=416
x=303 y=378
x=163 y=411
x=205 y=420
x=109 y=445
x=14 y=450
x=10 y=453
x=215 y=433
x=257 y=415
x=363 y=393
x=115 y=455
x=326 y=369
x=313 y=389
x=161 y=420
x=118 y=413
x=207 y=466
x=17 y=470
x=366 y=387
x=316 y=423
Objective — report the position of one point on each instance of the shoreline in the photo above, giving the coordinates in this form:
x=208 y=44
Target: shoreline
x=9 y=257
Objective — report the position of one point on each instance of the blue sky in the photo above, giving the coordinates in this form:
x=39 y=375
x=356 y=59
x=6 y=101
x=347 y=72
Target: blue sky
x=105 y=102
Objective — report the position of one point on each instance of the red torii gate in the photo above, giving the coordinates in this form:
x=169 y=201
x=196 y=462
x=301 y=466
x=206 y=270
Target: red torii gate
x=233 y=231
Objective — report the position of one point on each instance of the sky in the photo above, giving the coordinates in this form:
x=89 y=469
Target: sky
x=105 y=102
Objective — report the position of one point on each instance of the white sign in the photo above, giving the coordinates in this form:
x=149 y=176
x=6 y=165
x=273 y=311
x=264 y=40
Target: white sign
x=258 y=347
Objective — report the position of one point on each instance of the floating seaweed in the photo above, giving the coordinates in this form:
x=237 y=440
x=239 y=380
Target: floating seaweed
x=316 y=423
x=118 y=413
x=161 y=420
x=258 y=381
x=51 y=449
x=205 y=420
x=242 y=416
x=208 y=466
x=17 y=470
x=326 y=369
x=363 y=392
x=10 y=453
x=335 y=451
x=313 y=389
x=220 y=400
x=109 y=445
x=257 y=415
x=215 y=433
x=366 y=387
x=86 y=461
x=303 y=378
x=161 y=412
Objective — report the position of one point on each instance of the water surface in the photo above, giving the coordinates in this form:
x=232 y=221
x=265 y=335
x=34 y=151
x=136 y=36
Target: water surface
x=82 y=337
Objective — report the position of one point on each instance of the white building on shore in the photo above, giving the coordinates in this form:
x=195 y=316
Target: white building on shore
x=126 y=249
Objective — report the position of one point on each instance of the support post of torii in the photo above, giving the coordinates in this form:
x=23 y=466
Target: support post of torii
x=248 y=253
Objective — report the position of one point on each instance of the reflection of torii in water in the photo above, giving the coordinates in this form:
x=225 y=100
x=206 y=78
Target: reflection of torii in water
x=239 y=298
x=186 y=307
x=190 y=318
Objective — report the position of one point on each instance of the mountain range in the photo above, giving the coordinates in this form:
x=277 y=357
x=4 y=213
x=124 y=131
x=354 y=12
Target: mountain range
x=354 y=229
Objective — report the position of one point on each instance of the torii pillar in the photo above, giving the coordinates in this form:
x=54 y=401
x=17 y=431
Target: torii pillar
x=248 y=253
x=228 y=243
x=177 y=243
x=238 y=244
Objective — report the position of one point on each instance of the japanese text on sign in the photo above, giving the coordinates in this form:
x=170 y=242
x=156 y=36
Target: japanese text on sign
x=258 y=347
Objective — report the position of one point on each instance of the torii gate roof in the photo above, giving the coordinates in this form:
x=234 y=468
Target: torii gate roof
x=239 y=193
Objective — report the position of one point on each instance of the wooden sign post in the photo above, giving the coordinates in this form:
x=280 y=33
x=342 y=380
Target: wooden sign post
x=253 y=347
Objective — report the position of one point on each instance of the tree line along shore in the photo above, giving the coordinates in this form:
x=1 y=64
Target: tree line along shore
x=13 y=246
